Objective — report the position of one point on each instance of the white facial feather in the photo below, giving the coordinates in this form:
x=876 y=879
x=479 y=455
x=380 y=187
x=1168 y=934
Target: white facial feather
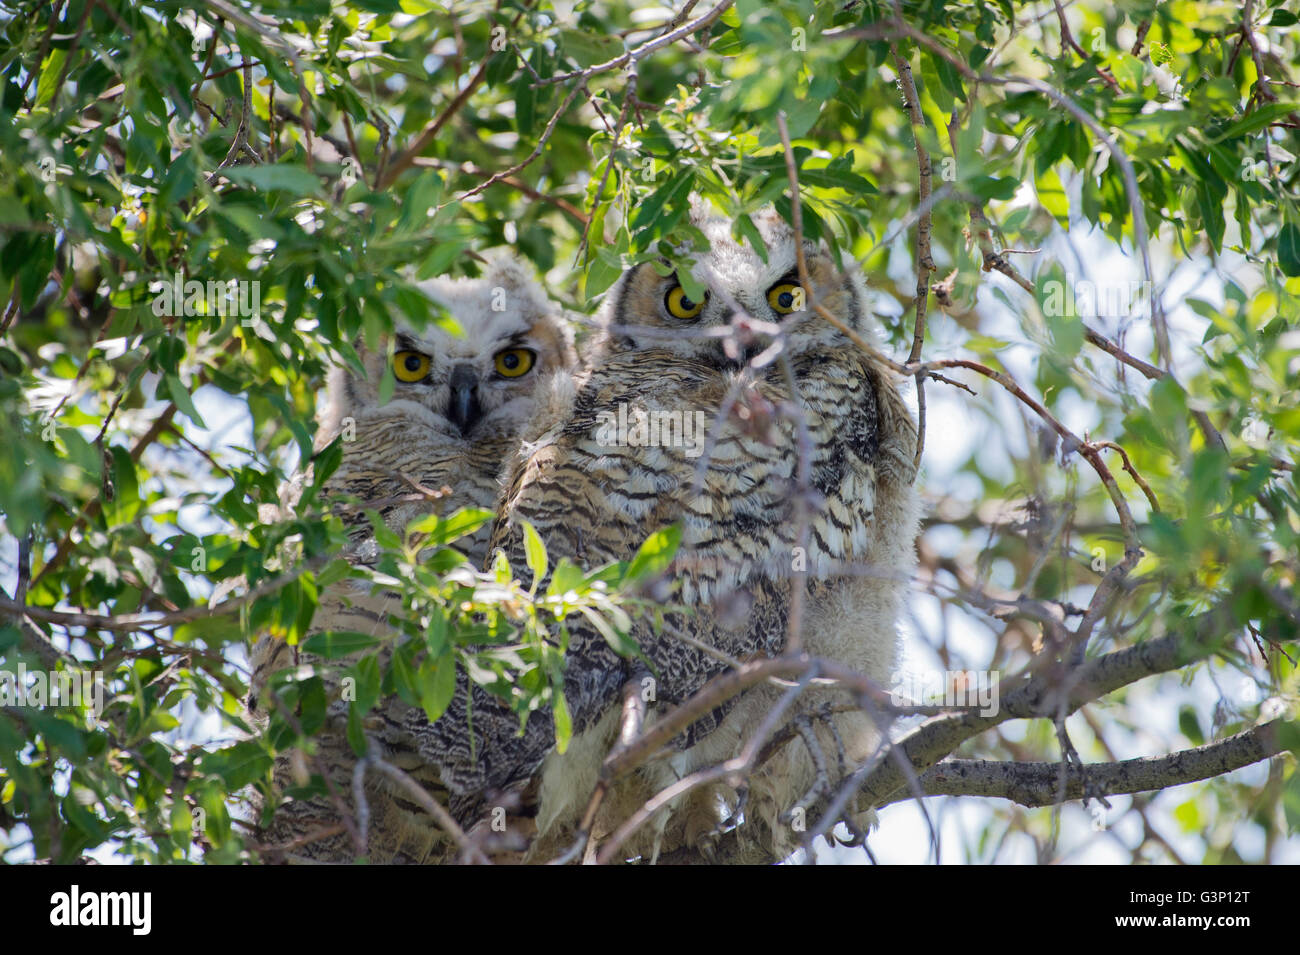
x=737 y=282
x=465 y=394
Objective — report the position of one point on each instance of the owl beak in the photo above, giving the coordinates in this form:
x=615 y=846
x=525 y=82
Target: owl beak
x=464 y=409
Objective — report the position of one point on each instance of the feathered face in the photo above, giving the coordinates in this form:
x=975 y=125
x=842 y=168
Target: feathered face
x=479 y=384
x=738 y=284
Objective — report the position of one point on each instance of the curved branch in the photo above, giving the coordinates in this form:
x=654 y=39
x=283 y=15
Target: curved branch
x=1038 y=784
x=140 y=621
x=934 y=739
x=1072 y=442
x=631 y=56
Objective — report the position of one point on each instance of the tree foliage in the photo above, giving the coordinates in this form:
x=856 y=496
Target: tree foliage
x=1085 y=214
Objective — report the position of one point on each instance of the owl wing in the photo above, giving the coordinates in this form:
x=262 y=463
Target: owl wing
x=385 y=469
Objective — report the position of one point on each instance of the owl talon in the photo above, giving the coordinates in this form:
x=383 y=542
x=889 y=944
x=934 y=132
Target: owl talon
x=821 y=786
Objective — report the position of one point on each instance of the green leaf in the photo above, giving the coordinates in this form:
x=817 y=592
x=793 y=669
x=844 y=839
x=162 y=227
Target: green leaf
x=51 y=70
x=437 y=685
x=831 y=177
x=332 y=644
x=217 y=822
x=746 y=229
x=534 y=554
x=124 y=504
x=182 y=175
x=182 y=823
x=568 y=576
x=620 y=643
x=58 y=732
x=1257 y=119
x=588 y=49
x=80 y=816
x=183 y=400
x=525 y=105
x=435 y=635
x=273 y=177
x=987 y=187
x=312 y=704
x=949 y=76
x=1052 y=197
x=422 y=195
x=403 y=672
x=438 y=531
x=671 y=193
x=1190 y=726
x=563 y=722
x=692 y=286
x=603 y=270
x=356 y=733
x=369 y=680
x=500 y=567
x=1291 y=802
x=238 y=766
x=1288 y=250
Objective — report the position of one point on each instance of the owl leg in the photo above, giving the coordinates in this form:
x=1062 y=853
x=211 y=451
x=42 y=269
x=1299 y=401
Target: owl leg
x=821 y=785
x=827 y=716
x=735 y=816
x=857 y=836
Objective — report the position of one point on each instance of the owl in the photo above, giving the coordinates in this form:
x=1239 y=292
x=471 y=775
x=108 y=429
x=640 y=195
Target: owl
x=620 y=451
x=439 y=443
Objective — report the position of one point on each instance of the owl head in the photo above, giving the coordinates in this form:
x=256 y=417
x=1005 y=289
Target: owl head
x=476 y=384
x=648 y=310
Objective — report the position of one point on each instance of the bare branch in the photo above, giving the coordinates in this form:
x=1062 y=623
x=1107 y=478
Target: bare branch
x=644 y=50
x=526 y=161
x=937 y=737
x=1036 y=784
x=924 y=260
x=1073 y=442
x=138 y=621
x=432 y=807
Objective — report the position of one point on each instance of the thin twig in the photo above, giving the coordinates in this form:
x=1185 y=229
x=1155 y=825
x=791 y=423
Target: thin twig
x=645 y=49
x=537 y=151
x=432 y=807
x=924 y=260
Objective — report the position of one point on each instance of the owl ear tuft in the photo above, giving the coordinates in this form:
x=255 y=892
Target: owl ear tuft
x=565 y=322
x=506 y=270
x=503 y=267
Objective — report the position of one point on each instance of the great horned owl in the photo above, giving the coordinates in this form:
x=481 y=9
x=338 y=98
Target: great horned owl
x=594 y=492
x=457 y=406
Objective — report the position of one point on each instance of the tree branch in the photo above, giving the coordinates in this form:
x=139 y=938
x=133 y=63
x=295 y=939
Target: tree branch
x=645 y=49
x=1037 y=784
x=139 y=621
x=936 y=738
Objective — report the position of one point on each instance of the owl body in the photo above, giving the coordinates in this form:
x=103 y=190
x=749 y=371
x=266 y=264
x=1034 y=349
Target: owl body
x=438 y=445
x=594 y=500
x=736 y=574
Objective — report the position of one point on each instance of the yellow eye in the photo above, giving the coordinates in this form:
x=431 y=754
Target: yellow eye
x=679 y=306
x=410 y=366
x=514 y=362
x=786 y=297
